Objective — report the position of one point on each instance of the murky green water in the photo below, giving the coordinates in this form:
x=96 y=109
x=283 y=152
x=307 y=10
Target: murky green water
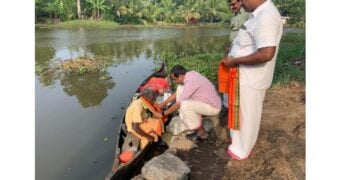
x=78 y=116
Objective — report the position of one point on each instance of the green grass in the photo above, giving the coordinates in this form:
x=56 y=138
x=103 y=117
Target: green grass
x=292 y=48
x=88 y=24
x=83 y=24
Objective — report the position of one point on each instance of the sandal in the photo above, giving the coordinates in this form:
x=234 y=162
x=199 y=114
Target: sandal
x=192 y=136
x=204 y=136
x=195 y=137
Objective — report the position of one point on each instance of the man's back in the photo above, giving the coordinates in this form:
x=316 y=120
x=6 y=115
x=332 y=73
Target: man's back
x=133 y=114
x=198 y=87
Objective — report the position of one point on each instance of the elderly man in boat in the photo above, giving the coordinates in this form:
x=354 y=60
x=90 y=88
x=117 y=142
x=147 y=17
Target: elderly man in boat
x=143 y=120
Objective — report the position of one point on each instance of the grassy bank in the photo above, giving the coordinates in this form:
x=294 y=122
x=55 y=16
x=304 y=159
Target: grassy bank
x=110 y=24
x=290 y=64
x=82 y=23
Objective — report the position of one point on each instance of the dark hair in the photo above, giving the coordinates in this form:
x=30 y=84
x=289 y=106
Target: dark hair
x=178 y=70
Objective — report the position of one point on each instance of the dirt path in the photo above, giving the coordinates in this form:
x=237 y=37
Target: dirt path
x=280 y=149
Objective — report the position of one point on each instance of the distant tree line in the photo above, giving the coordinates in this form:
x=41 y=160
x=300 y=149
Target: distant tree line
x=151 y=11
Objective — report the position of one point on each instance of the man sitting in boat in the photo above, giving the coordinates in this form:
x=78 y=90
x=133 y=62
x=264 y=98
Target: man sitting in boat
x=195 y=96
x=143 y=120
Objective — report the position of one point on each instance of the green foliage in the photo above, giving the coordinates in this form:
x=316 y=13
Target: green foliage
x=97 y=7
x=215 y=10
x=109 y=16
x=190 y=10
x=132 y=12
x=151 y=12
x=56 y=9
x=295 y=9
x=167 y=11
x=156 y=11
x=205 y=64
x=290 y=65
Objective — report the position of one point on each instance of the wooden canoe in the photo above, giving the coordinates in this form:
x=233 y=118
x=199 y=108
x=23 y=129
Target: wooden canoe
x=121 y=171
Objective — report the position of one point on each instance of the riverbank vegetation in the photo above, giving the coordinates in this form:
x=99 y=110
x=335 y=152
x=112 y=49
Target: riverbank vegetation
x=154 y=12
x=87 y=24
x=290 y=65
x=82 y=65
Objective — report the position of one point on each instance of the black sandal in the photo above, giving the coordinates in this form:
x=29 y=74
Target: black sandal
x=193 y=136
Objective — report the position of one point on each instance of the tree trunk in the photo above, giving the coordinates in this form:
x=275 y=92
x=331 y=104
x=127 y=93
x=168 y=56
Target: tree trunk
x=78 y=8
x=98 y=13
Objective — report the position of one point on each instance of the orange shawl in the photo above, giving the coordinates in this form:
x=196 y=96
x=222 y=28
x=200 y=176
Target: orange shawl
x=150 y=107
x=228 y=80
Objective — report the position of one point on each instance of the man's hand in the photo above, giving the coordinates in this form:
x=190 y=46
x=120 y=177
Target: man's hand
x=155 y=137
x=229 y=62
x=149 y=138
x=157 y=107
x=152 y=136
x=160 y=106
x=157 y=115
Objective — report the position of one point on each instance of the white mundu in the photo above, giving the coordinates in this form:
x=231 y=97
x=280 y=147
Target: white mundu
x=191 y=110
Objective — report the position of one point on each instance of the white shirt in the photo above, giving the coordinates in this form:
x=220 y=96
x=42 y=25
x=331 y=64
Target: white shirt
x=263 y=29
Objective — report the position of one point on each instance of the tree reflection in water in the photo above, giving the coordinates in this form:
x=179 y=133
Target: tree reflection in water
x=89 y=89
x=43 y=70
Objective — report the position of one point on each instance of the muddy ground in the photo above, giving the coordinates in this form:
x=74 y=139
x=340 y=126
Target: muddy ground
x=280 y=149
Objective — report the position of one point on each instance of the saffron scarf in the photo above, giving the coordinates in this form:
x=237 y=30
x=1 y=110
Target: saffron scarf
x=147 y=105
x=152 y=123
x=228 y=79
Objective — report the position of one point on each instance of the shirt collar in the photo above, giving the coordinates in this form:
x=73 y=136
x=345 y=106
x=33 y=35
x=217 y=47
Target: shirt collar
x=260 y=8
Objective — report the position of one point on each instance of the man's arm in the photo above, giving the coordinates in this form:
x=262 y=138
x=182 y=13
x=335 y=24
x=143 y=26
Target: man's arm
x=172 y=109
x=260 y=56
x=169 y=99
x=227 y=49
x=138 y=130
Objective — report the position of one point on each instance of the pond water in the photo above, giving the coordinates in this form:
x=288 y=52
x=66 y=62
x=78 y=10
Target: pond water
x=77 y=117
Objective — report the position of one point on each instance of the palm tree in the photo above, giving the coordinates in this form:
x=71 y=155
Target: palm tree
x=132 y=11
x=151 y=12
x=97 y=6
x=167 y=10
x=189 y=10
x=56 y=8
x=215 y=9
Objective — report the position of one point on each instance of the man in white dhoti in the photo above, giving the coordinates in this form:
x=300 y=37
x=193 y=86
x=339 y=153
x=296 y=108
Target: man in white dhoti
x=254 y=52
